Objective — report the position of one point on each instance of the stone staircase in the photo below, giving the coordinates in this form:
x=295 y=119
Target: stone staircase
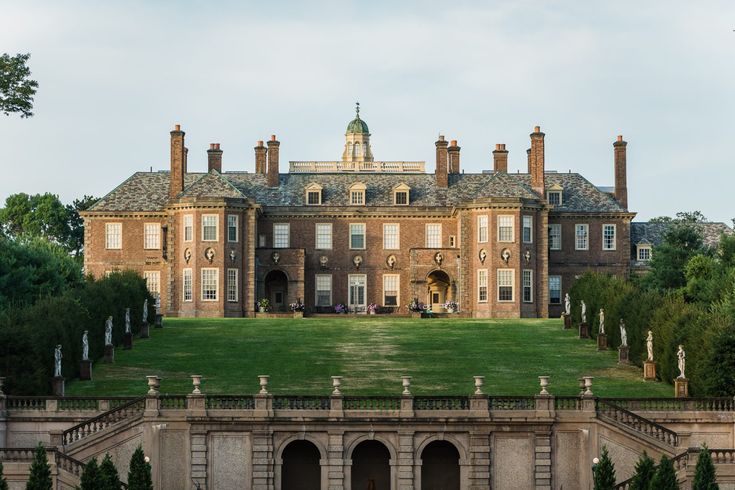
x=664 y=438
x=74 y=438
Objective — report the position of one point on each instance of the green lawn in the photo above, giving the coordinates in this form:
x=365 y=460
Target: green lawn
x=371 y=353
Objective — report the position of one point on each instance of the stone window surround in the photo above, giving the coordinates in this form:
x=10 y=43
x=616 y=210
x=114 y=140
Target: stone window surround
x=482 y=286
x=188 y=227
x=151 y=236
x=312 y=190
x=357 y=194
x=280 y=236
x=364 y=235
x=188 y=285
x=577 y=228
x=528 y=286
x=397 y=289
x=397 y=237
x=482 y=228
x=642 y=247
x=232 y=285
x=205 y=282
x=205 y=218
x=506 y=224
x=614 y=237
x=324 y=236
x=405 y=192
x=502 y=276
x=113 y=236
x=430 y=237
x=557 y=197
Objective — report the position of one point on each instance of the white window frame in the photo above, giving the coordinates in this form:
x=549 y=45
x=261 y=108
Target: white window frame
x=554 y=230
x=364 y=235
x=216 y=283
x=506 y=221
x=395 y=197
x=236 y=226
x=527 y=285
x=187 y=285
x=232 y=286
x=527 y=224
x=482 y=282
x=153 y=282
x=504 y=274
x=432 y=237
x=640 y=248
x=482 y=228
x=323 y=245
x=151 y=236
x=614 y=237
x=577 y=228
x=205 y=218
x=318 y=193
x=452 y=241
x=357 y=197
x=316 y=289
x=188 y=227
x=548 y=197
x=560 y=290
x=113 y=241
x=397 y=278
x=386 y=244
x=279 y=236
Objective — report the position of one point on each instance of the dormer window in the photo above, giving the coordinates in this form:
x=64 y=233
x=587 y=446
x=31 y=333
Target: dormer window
x=554 y=195
x=357 y=194
x=643 y=252
x=401 y=195
x=313 y=195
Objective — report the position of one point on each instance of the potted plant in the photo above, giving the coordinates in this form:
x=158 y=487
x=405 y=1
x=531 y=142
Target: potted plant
x=297 y=309
x=264 y=305
x=450 y=306
x=416 y=308
x=340 y=308
x=372 y=308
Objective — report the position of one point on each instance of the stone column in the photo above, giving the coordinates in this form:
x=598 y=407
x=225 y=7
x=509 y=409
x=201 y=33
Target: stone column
x=198 y=456
x=479 y=470
x=248 y=267
x=542 y=460
x=542 y=264
x=335 y=461
x=263 y=467
x=404 y=469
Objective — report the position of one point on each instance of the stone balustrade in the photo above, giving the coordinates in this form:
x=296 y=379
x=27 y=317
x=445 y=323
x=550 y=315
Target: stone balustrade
x=296 y=167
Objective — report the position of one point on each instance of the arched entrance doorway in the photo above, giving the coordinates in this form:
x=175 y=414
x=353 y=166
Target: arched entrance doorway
x=371 y=466
x=276 y=289
x=300 y=469
x=439 y=289
x=440 y=466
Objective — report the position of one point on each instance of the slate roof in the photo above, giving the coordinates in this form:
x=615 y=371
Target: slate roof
x=653 y=233
x=148 y=191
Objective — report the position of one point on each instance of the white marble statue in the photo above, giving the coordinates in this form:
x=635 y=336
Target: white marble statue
x=108 y=331
x=567 y=305
x=584 y=312
x=623 y=334
x=127 y=320
x=85 y=346
x=681 y=356
x=602 y=321
x=649 y=345
x=57 y=361
x=145 y=311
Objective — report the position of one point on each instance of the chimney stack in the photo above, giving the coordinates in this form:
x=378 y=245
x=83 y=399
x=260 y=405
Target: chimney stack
x=453 y=152
x=214 y=158
x=441 y=175
x=621 y=172
x=178 y=162
x=500 y=158
x=260 y=162
x=273 y=145
x=536 y=161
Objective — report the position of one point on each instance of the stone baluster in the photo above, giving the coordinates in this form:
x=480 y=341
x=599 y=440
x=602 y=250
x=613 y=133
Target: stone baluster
x=406 y=397
x=196 y=401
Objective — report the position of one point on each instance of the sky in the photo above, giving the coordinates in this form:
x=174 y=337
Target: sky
x=115 y=76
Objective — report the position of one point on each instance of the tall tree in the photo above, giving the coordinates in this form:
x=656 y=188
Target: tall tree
x=76 y=223
x=16 y=87
x=665 y=478
x=604 y=472
x=39 y=215
x=682 y=241
x=645 y=469
x=109 y=478
x=91 y=477
x=139 y=476
x=40 y=477
x=704 y=475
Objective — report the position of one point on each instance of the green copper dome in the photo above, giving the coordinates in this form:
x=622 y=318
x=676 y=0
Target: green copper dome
x=357 y=125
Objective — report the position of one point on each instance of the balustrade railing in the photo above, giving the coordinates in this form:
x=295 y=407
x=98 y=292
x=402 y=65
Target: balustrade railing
x=721 y=404
x=512 y=403
x=628 y=419
x=441 y=403
x=25 y=402
x=301 y=403
x=64 y=403
x=67 y=463
x=125 y=411
x=173 y=402
x=230 y=402
x=26 y=455
x=381 y=403
x=567 y=403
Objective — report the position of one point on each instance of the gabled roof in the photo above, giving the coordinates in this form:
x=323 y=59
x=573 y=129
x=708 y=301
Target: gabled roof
x=653 y=233
x=213 y=185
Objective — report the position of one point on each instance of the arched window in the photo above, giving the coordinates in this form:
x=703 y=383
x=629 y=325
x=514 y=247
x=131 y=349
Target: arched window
x=358 y=149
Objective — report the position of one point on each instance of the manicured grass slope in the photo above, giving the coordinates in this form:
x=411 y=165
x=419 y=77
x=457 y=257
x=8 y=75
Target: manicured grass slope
x=370 y=352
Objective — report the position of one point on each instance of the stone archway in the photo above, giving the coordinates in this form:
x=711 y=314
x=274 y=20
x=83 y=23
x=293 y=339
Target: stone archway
x=440 y=468
x=276 y=289
x=439 y=289
x=300 y=469
x=371 y=466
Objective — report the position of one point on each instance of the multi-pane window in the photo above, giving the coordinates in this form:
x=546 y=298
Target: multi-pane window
x=209 y=227
x=608 y=237
x=232 y=285
x=357 y=236
x=151 y=236
x=505 y=228
x=554 y=198
x=555 y=237
x=482 y=229
x=401 y=198
x=281 y=235
x=391 y=236
x=433 y=236
x=323 y=289
x=505 y=284
x=644 y=253
x=452 y=241
x=527 y=286
x=210 y=278
x=232 y=227
x=188 y=286
x=581 y=237
x=153 y=282
x=314 y=197
x=357 y=197
x=188 y=227
x=527 y=229
x=482 y=285
x=555 y=290
x=391 y=284
x=324 y=236
x=113 y=235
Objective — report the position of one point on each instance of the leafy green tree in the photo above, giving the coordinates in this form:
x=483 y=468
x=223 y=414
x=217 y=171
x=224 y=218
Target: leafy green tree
x=139 y=476
x=91 y=478
x=681 y=242
x=40 y=477
x=38 y=215
x=109 y=478
x=3 y=481
x=665 y=478
x=720 y=363
x=604 y=472
x=16 y=87
x=704 y=475
x=645 y=469
x=76 y=223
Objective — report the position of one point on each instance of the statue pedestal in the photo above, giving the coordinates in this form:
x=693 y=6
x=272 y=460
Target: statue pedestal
x=567 y=321
x=159 y=321
x=109 y=354
x=601 y=341
x=127 y=341
x=85 y=370
x=584 y=330
x=681 y=388
x=649 y=370
x=623 y=354
x=144 y=331
x=57 y=386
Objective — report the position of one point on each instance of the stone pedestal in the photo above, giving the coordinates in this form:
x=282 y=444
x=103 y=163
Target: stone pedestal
x=109 y=354
x=567 y=321
x=58 y=386
x=649 y=371
x=127 y=341
x=159 y=321
x=85 y=370
x=623 y=354
x=681 y=388
x=601 y=341
x=584 y=330
x=144 y=330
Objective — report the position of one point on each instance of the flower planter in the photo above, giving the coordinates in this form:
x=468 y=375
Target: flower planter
x=450 y=310
x=261 y=309
x=298 y=314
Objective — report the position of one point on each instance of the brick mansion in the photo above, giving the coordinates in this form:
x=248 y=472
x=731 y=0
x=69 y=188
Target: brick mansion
x=358 y=231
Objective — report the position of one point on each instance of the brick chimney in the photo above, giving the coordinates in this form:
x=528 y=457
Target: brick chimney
x=621 y=172
x=500 y=158
x=273 y=145
x=260 y=155
x=214 y=158
x=442 y=178
x=536 y=161
x=178 y=162
x=453 y=152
